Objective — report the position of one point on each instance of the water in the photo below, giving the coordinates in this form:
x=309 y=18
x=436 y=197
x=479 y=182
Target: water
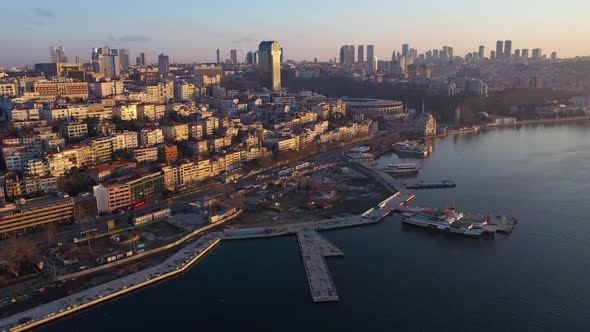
x=397 y=277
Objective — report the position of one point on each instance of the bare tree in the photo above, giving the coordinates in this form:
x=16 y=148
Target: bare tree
x=87 y=224
x=51 y=233
x=16 y=252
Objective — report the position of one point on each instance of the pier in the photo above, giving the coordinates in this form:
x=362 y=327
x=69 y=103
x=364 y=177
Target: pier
x=313 y=250
x=430 y=184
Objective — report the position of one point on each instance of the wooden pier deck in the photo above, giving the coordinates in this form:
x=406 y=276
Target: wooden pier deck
x=313 y=250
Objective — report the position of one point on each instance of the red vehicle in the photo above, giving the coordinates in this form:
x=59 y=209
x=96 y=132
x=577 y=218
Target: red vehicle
x=139 y=204
x=131 y=207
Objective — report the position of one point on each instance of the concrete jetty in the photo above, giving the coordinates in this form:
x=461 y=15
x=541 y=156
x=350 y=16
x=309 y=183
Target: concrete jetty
x=313 y=250
x=430 y=184
x=178 y=263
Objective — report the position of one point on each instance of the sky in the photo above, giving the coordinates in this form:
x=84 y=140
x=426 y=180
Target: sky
x=191 y=30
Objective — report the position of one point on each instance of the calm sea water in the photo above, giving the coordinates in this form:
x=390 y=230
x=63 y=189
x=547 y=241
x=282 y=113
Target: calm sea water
x=397 y=277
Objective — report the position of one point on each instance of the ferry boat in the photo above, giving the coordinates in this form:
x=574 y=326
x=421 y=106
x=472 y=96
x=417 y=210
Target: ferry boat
x=360 y=149
x=443 y=220
x=412 y=148
x=401 y=169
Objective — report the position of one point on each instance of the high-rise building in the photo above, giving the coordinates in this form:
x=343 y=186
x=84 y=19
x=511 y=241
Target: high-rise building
x=374 y=63
x=492 y=55
x=138 y=61
x=405 y=50
x=234 y=56
x=282 y=55
x=553 y=56
x=499 y=48
x=370 y=54
x=347 y=54
x=58 y=54
x=219 y=56
x=537 y=53
x=525 y=53
x=507 y=49
x=351 y=54
x=450 y=51
x=482 y=51
x=124 y=57
x=53 y=54
x=517 y=53
x=144 y=58
x=361 y=54
x=163 y=64
x=270 y=64
x=106 y=61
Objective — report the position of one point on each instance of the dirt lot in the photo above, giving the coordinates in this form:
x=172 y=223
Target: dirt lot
x=322 y=195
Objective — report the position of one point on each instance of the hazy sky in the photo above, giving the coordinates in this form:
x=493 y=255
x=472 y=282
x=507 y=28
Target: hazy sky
x=191 y=30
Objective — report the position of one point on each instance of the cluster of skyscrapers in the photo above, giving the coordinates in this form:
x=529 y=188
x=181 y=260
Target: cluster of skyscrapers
x=106 y=61
x=233 y=57
x=58 y=54
x=347 y=55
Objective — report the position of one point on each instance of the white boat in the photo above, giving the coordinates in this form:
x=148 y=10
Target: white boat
x=447 y=220
x=403 y=168
x=360 y=149
x=412 y=148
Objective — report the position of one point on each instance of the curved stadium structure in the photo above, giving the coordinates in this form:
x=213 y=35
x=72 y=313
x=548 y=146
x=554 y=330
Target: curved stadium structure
x=375 y=108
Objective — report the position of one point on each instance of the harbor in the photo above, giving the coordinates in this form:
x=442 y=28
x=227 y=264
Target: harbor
x=313 y=250
x=390 y=264
x=313 y=247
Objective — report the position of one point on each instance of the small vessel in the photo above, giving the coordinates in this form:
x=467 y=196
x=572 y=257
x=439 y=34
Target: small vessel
x=402 y=169
x=360 y=149
x=412 y=148
x=443 y=220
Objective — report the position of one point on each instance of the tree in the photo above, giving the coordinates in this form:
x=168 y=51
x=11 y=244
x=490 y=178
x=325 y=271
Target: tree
x=51 y=232
x=16 y=252
x=87 y=223
x=75 y=182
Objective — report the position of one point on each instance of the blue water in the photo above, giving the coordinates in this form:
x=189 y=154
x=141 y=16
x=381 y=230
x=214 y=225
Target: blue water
x=397 y=277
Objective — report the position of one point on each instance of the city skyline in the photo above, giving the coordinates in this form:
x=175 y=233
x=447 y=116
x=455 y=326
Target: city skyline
x=457 y=23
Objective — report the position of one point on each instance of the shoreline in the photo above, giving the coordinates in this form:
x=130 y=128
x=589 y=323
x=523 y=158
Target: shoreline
x=470 y=131
x=188 y=256
x=6 y=325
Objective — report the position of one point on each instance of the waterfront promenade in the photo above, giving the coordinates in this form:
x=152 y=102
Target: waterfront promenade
x=178 y=263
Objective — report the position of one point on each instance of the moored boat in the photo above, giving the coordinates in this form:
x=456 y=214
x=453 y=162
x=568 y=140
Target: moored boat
x=443 y=220
x=401 y=169
x=412 y=148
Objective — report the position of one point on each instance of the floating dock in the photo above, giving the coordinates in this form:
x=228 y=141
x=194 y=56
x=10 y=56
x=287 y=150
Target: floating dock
x=505 y=224
x=431 y=184
x=313 y=250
